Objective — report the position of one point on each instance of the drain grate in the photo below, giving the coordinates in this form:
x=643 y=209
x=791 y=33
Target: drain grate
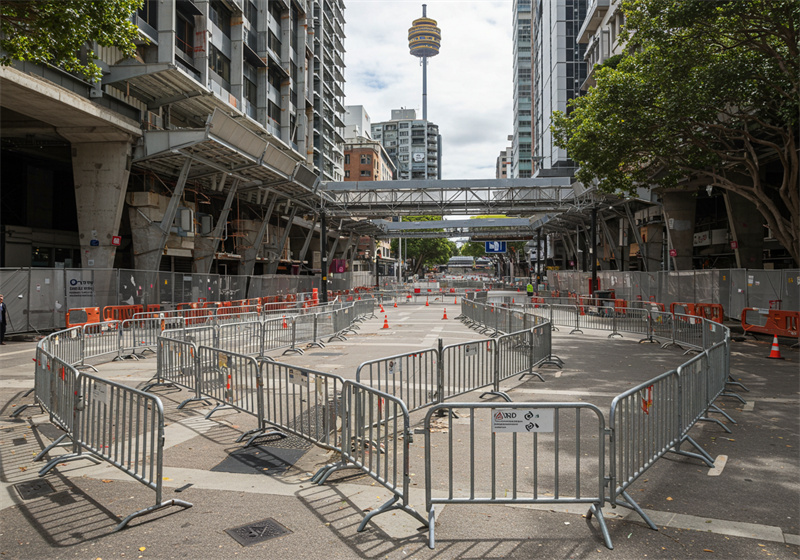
x=257 y=532
x=34 y=489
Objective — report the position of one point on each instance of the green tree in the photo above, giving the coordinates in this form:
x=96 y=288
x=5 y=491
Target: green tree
x=61 y=32
x=426 y=250
x=707 y=92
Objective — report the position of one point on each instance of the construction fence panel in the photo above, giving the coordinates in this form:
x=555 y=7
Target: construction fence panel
x=66 y=345
x=177 y=362
x=411 y=377
x=101 y=339
x=143 y=333
x=514 y=355
x=277 y=334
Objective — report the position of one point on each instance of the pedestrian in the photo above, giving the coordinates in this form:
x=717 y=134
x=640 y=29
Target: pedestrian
x=3 y=320
x=530 y=290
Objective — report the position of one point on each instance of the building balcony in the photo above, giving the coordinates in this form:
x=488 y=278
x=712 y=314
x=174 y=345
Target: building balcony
x=594 y=16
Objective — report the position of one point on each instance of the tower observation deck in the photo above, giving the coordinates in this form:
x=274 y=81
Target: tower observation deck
x=424 y=40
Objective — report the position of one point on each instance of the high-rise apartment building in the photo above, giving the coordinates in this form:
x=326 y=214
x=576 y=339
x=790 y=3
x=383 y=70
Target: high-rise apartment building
x=413 y=144
x=505 y=162
x=559 y=70
x=522 y=141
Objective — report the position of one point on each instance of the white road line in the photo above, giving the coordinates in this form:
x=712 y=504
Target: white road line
x=719 y=464
x=30 y=350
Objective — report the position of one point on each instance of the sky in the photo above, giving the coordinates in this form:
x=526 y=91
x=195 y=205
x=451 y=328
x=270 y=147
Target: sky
x=470 y=81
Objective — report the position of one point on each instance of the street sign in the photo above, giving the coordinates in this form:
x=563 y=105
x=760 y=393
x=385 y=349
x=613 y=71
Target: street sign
x=673 y=253
x=116 y=240
x=495 y=247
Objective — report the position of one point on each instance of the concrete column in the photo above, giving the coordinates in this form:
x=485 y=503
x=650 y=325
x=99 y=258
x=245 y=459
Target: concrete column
x=205 y=246
x=679 y=214
x=272 y=267
x=100 y=172
x=237 y=59
x=166 y=32
x=255 y=242
x=286 y=84
x=747 y=231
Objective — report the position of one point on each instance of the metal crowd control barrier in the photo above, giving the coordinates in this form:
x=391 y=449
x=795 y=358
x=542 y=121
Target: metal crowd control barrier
x=574 y=433
x=244 y=338
x=299 y=401
x=231 y=379
x=123 y=427
x=412 y=377
x=176 y=365
x=376 y=436
x=100 y=339
x=142 y=334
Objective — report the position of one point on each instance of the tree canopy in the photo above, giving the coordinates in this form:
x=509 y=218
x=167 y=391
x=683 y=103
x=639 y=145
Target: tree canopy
x=707 y=93
x=61 y=32
x=426 y=251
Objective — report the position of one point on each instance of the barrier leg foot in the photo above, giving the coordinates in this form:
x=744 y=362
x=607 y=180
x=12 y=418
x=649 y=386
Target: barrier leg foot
x=320 y=472
x=193 y=399
x=715 y=421
x=220 y=406
x=254 y=437
x=19 y=411
x=576 y=331
x=295 y=350
x=431 y=527
x=701 y=453
x=649 y=339
x=631 y=504
x=730 y=381
x=597 y=511
x=614 y=334
x=66 y=459
x=498 y=394
x=333 y=469
x=536 y=373
x=734 y=395
x=375 y=512
x=316 y=345
x=715 y=408
x=29 y=392
x=159 y=383
x=86 y=366
x=47 y=449
x=144 y=511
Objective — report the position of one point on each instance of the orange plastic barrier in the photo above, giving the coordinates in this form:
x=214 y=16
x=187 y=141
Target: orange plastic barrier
x=82 y=316
x=121 y=312
x=152 y=308
x=780 y=323
x=711 y=311
x=687 y=308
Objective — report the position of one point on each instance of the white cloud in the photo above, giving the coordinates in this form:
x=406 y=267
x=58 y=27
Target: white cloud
x=470 y=82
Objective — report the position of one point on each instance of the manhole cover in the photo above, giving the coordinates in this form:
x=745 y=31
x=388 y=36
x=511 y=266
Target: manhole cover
x=19 y=441
x=34 y=489
x=257 y=532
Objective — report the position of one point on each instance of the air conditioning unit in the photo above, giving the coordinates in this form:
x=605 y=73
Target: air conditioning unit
x=184 y=223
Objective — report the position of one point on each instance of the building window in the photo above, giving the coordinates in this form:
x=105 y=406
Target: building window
x=219 y=63
x=221 y=17
x=365 y=159
x=346 y=173
x=347 y=159
x=366 y=173
x=184 y=34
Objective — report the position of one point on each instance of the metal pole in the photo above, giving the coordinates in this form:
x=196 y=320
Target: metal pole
x=594 y=250
x=323 y=253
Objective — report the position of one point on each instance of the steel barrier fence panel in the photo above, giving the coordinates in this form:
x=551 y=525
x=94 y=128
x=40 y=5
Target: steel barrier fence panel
x=230 y=378
x=304 y=329
x=66 y=345
x=645 y=421
x=631 y=320
x=241 y=338
x=100 y=339
x=411 y=377
x=688 y=330
x=564 y=315
x=207 y=335
x=375 y=436
x=557 y=455
x=242 y=317
x=514 y=354
x=717 y=369
x=662 y=325
x=303 y=402
x=141 y=333
x=54 y=384
x=177 y=362
x=694 y=399
x=466 y=367
x=325 y=325
x=277 y=334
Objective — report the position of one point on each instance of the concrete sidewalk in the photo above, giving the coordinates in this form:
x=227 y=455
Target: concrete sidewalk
x=746 y=509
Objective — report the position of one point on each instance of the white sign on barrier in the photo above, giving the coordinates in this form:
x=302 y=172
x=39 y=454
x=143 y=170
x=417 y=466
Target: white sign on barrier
x=99 y=393
x=522 y=420
x=471 y=350
x=395 y=367
x=298 y=378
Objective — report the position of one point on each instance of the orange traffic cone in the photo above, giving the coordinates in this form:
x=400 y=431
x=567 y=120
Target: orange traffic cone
x=382 y=309
x=455 y=300
x=513 y=301
x=775 y=353
x=284 y=322
x=426 y=303
x=395 y=303
x=385 y=322
x=445 y=314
